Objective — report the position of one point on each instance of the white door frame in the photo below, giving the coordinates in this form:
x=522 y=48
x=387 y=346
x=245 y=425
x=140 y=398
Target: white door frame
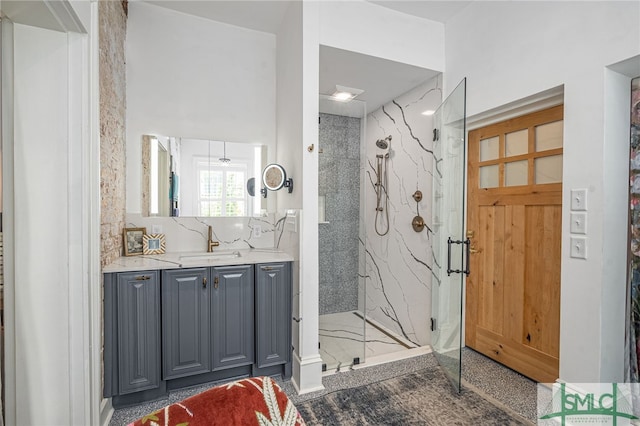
x=83 y=316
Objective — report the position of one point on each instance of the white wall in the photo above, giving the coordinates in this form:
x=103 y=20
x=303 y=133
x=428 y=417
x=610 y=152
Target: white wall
x=368 y=28
x=42 y=225
x=196 y=78
x=297 y=114
x=511 y=50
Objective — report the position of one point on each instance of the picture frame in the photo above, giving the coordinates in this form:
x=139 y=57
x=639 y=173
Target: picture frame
x=153 y=244
x=133 y=241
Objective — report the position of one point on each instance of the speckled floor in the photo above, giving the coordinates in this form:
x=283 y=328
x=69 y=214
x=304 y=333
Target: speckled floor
x=479 y=373
x=512 y=389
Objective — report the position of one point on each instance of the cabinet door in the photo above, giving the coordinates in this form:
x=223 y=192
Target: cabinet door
x=138 y=318
x=185 y=322
x=232 y=316
x=273 y=314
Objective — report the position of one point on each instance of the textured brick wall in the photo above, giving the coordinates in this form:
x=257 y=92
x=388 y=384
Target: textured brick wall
x=113 y=27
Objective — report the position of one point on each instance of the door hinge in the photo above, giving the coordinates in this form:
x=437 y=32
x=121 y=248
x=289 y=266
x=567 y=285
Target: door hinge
x=433 y=324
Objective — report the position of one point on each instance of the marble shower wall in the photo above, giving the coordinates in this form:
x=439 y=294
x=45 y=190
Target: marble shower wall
x=339 y=184
x=398 y=264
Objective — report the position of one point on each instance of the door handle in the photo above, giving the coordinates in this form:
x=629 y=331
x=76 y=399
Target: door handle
x=204 y=282
x=467 y=245
x=143 y=277
x=216 y=281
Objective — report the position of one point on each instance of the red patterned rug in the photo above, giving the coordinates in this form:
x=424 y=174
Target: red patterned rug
x=252 y=401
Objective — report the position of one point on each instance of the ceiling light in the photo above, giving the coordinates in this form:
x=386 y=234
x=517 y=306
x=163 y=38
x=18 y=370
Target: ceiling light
x=345 y=94
x=429 y=112
x=224 y=160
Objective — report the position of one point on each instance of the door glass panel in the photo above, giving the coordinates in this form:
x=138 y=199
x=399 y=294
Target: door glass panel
x=489 y=176
x=489 y=149
x=548 y=169
x=516 y=143
x=549 y=136
x=448 y=219
x=516 y=173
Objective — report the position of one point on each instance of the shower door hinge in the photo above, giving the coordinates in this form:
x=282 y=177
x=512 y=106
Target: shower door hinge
x=433 y=324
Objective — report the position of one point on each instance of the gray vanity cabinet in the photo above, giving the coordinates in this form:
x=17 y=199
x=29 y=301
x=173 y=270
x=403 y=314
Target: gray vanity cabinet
x=186 y=342
x=232 y=316
x=273 y=314
x=175 y=328
x=132 y=328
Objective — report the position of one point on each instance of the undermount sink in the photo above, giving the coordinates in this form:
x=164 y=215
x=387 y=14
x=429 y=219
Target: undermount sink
x=219 y=255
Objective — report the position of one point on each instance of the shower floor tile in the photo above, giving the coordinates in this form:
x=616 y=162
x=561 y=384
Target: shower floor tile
x=341 y=337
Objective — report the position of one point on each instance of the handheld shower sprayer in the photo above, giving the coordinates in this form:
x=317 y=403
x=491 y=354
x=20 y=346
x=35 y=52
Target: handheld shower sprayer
x=384 y=143
x=382 y=197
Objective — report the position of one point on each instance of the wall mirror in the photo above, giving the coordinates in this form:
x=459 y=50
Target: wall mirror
x=274 y=177
x=200 y=178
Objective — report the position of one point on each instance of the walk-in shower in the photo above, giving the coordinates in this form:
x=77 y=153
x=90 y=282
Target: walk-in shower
x=348 y=337
x=374 y=272
x=381 y=186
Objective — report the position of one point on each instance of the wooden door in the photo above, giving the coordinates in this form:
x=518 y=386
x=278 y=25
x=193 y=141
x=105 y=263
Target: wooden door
x=514 y=223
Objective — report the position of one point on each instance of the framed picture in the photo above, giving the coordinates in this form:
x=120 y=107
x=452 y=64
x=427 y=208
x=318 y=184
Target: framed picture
x=153 y=244
x=133 y=240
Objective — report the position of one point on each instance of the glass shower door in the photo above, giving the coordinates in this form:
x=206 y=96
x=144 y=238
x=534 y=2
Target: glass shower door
x=450 y=245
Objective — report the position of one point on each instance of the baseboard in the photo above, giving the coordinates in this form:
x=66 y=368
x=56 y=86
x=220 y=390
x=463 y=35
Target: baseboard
x=307 y=374
x=106 y=411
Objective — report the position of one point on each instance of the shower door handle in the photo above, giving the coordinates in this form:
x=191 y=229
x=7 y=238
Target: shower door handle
x=467 y=244
x=449 y=241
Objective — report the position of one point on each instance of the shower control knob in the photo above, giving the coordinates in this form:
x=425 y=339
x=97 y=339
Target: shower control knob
x=417 y=223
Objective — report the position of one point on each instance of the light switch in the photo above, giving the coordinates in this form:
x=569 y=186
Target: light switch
x=257 y=231
x=579 y=199
x=579 y=247
x=578 y=223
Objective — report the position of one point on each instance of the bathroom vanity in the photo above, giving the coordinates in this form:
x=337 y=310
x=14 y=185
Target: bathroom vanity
x=177 y=320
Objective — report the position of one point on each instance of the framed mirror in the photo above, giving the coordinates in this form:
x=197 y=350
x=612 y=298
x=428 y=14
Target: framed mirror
x=200 y=178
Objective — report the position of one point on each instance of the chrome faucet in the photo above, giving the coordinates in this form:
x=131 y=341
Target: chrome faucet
x=211 y=243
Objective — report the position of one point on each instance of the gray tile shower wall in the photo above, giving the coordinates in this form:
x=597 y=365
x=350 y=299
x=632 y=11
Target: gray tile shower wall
x=339 y=183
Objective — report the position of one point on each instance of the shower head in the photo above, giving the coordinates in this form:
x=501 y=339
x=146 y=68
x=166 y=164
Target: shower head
x=384 y=143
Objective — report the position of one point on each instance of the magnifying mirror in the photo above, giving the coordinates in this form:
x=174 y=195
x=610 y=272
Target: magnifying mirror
x=274 y=177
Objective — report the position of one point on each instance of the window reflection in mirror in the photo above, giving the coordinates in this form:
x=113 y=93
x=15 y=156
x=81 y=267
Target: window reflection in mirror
x=188 y=177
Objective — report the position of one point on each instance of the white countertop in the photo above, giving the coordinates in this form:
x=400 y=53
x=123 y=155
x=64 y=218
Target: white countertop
x=196 y=259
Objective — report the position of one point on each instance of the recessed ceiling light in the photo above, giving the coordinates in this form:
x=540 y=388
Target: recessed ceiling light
x=345 y=94
x=429 y=112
